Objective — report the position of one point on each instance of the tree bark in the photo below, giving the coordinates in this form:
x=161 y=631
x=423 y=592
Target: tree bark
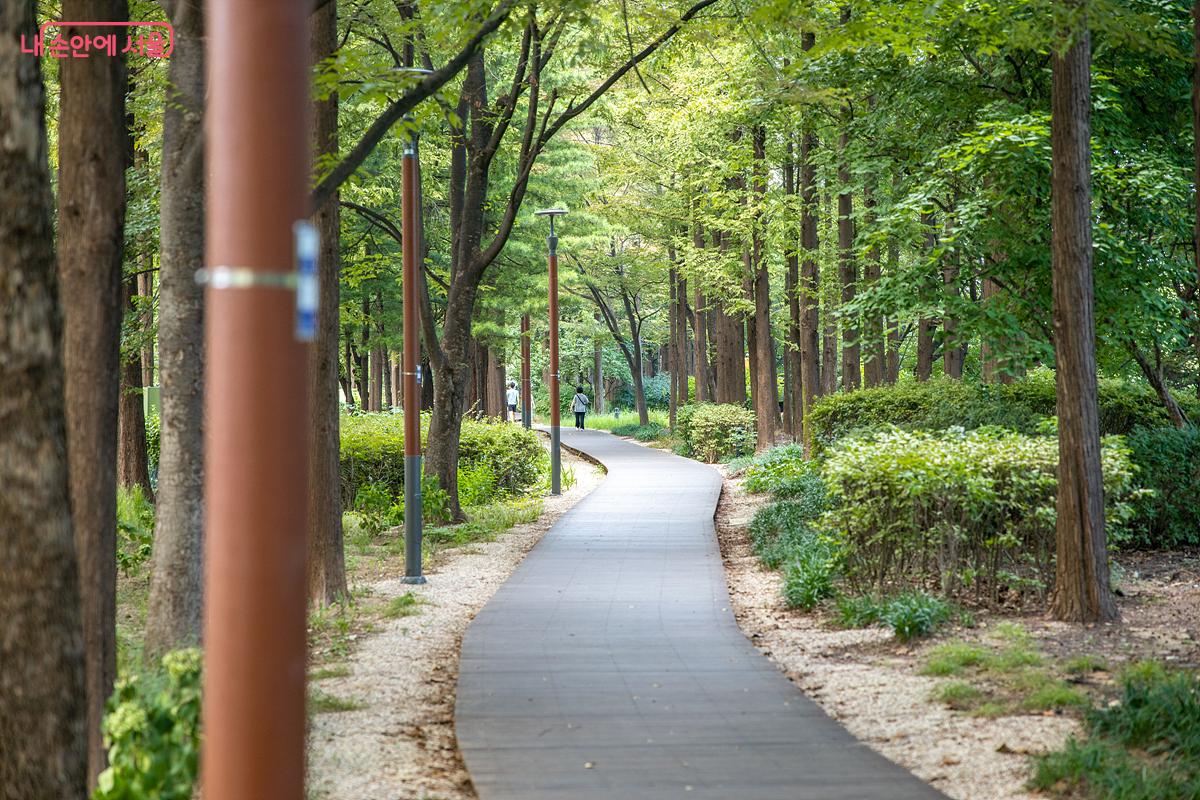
x=766 y=386
x=145 y=282
x=43 y=707
x=177 y=570
x=1081 y=584
x=600 y=401
x=808 y=287
x=848 y=269
x=673 y=326
x=926 y=326
x=989 y=361
x=326 y=558
x=875 y=360
x=700 y=327
x=91 y=222
x=952 y=348
x=133 y=468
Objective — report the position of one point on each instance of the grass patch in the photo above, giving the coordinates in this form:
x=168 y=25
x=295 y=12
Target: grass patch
x=1054 y=696
x=953 y=658
x=324 y=703
x=1085 y=665
x=959 y=695
x=626 y=419
x=1145 y=747
x=485 y=522
x=326 y=673
x=406 y=605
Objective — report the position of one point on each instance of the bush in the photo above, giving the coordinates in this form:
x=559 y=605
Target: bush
x=152 y=732
x=915 y=614
x=809 y=573
x=643 y=433
x=941 y=403
x=956 y=510
x=372 y=451
x=135 y=528
x=1168 y=463
x=778 y=529
x=1146 y=747
x=784 y=472
x=714 y=432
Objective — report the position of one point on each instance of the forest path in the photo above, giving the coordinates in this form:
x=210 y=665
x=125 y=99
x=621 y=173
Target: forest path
x=610 y=666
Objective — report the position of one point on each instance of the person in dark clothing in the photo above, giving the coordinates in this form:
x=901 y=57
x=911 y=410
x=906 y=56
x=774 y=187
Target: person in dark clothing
x=579 y=404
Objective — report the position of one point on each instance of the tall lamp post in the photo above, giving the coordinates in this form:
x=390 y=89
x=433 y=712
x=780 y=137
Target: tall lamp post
x=258 y=316
x=526 y=378
x=410 y=223
x=555 y=412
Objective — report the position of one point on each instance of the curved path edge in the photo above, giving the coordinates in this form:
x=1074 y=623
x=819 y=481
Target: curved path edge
x=609 y=665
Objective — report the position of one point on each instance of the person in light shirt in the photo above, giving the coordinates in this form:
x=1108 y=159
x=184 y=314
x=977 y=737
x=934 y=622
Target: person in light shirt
x=512 y=397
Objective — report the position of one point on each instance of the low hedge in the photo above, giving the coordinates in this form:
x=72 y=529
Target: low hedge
x=1168 y=468
x=1023 y=406
x=969 y=512
x=714 y=432
x=372 y=452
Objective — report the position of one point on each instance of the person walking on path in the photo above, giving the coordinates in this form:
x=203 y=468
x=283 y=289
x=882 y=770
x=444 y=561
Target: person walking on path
x=512 y=397
x=579 y=404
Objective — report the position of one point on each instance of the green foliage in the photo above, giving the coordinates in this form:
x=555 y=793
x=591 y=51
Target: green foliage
x=958 y=695
x=612 y=420
x=135 y=528
x=1168 y=463
x=374 y=506
x=785 y=473
x=503 y=456
x=777 y=529
x=964 y=511
x=153 y=441
x=710 y=432
x=1146 y=747
x=152 y=732
x=915 y=614
x=941 y=403
x=643 y=433
x=406 y=605
x=809 y=572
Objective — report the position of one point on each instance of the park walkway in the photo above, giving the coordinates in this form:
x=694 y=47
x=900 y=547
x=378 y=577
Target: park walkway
x=610 y=666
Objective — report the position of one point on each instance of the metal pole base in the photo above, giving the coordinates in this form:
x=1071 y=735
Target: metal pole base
x=525 y=420
x=556 y=460
x=412 y=520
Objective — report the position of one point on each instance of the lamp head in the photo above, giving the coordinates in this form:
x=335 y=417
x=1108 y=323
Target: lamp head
x=551 y=213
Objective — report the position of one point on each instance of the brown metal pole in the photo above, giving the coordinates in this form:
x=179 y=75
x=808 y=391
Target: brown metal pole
x=526 y=377
x=555 y=413
x=412 y=358
x=256 y=459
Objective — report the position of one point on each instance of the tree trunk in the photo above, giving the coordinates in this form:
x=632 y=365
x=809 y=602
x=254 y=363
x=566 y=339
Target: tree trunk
x=952 y=348
x=1154 y=376
x=397 y=399
x=133 y=468
x=1081 y=584
x=731 y=357
x=176 y=583
x=43 y=722
x=766 y=386
x=349 y=377
x=92 y=145
x=598 y=373
x=145 y=283
x=808 y=287
x=700 y=329
x=673 y=326
x=326 y=559
x=829 y=356
x=848 y=272
x=1196 y=170
x=875 y=360
x=989 y=362
x=926 y=326
x=364 y=357
x=680 y=358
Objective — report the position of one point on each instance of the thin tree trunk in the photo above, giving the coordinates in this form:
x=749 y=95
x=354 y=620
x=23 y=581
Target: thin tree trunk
x=1154 y=376
x=989 y=362
x=673 y=327
x=848 y=269
x=952 y=348
x=875 y=360
x=133 y=467
x=808 y=287
x=175 y=604
x=766 y=386
x=598 y=373
x=326 y=559
x=925 y=325
x=1081 y=584
x=681 y=352
x=43 y=707
x=145 y=282
x=350 y=374
x=92 y=145
x=700 y=328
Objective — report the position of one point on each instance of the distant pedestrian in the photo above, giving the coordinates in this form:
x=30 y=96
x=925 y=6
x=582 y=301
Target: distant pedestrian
x=512 y=397
x=579 y=404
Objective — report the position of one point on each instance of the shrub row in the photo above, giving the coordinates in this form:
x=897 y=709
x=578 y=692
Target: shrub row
x=964 y=511
x=713 y=432
x=495 y=458
x=1023 y=406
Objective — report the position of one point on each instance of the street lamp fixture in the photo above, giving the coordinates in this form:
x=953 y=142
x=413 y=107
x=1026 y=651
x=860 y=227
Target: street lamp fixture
x=555 y=411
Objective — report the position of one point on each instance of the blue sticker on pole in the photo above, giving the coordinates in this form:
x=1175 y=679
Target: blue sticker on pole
x=308 y=295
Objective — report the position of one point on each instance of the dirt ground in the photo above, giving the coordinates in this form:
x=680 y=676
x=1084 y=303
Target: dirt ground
x=872 y=684
x=387 y=729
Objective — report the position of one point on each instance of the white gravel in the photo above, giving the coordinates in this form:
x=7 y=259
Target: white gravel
x=400 y=744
